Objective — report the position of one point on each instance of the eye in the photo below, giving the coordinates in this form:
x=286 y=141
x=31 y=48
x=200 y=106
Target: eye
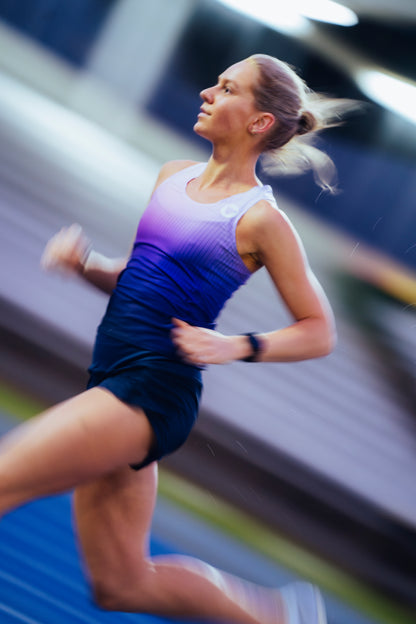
x=227 y=89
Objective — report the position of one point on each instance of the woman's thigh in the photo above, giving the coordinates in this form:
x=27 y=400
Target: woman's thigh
x=78 y=440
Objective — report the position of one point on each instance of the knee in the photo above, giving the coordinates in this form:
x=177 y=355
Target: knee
x=131 y=595
x=106 y=596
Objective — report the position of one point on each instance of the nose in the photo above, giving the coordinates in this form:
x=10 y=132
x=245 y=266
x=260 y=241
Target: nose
x=207 y=94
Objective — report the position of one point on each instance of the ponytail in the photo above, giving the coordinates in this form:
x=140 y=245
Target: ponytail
x=289 y=147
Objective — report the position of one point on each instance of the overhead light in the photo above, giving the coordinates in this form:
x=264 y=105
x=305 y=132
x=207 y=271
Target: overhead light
x=326 y=11
x=292 y=18
x=282 y=19
x=390 y=91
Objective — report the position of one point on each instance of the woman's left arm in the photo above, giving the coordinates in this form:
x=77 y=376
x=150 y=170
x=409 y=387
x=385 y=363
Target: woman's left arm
x=280 y=250
x=269 y=236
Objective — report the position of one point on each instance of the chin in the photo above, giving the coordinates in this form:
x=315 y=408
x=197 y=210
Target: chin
x=199 y=131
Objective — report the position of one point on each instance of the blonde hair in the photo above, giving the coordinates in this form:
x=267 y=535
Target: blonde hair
x=300 y=115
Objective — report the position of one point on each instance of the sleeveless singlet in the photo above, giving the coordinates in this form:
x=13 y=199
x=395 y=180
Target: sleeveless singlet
x=184 y=264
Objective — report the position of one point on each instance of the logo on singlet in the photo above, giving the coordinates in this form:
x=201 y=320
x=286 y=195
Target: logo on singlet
x=229 y=210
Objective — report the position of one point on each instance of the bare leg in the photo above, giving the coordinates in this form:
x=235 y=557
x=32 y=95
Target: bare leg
x=88 y=442
x=91 y=434
x=113 y=517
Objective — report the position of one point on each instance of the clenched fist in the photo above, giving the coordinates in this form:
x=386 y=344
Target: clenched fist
x=67 y=250
x=200 y=346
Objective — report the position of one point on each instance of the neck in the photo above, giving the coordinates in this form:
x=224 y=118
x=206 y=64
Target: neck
x=230 y=172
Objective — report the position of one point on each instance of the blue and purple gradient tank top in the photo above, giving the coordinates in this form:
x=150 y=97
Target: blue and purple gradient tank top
x=184 y=264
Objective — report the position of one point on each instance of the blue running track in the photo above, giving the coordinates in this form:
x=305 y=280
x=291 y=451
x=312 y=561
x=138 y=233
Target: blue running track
x=41 y=580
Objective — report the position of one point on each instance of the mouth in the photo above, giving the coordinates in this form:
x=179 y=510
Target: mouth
x=202 y=112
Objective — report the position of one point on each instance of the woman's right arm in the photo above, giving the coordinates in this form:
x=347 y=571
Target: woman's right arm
x=70 y=251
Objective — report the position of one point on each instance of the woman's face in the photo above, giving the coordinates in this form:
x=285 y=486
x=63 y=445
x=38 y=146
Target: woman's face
x=228 y=107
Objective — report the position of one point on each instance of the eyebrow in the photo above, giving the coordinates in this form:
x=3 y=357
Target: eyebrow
x=227 y=80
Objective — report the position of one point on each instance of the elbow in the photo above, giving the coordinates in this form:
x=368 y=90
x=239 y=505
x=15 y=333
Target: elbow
x=322 y=337
x=329 y=346
x=328 y=341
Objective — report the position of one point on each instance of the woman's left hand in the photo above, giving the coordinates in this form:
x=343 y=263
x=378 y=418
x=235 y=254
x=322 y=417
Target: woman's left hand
x=198 y=345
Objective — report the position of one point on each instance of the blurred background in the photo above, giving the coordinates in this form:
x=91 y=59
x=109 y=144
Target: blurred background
x=317 y=457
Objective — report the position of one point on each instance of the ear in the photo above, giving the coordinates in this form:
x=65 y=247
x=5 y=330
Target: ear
x=262 y=123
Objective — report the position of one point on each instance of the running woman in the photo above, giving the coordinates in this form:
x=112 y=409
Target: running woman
x=207 y=228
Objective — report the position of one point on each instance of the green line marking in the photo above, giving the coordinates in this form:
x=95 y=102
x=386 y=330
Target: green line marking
x=280 y=549
x=17 y=404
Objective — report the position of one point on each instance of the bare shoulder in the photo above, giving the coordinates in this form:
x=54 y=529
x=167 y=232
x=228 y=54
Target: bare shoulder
x=265 y=217
x=271 y=231
x=171 y=167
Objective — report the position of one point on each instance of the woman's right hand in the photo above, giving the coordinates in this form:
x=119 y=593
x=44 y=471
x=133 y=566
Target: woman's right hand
x=67 y=250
